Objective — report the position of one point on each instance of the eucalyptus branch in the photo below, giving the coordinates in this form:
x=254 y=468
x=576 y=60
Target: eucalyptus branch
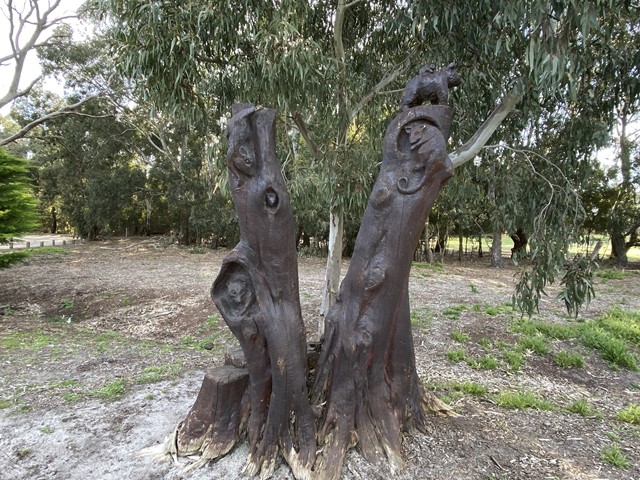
x=304 y=131
x=469 y=150
x=395 y=73
x=30 y=126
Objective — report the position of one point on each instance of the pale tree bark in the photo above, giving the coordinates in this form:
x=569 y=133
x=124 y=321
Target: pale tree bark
x=28 y=22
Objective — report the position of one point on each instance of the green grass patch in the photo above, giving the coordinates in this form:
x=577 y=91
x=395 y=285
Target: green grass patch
x=420 y=318
x=436 y=266
x=612 y=335
x=611 y=274
x=459 y=336
x=567 y=359
x=582 y=407
x=156 y=373
x=23 y=453
x=48 y=251
x=630 y=414
x=493 y=310
x=537 y=344
x=612 y=349
x=111 y=391
x=485 y=343
x=622 y=324
x=484 y=363
x=522 y=400
x=470 y=388
x=71 y=397
x=456 y=355
x=454 y=312
x=614 y=456
x=513 y=358
x=8 y=402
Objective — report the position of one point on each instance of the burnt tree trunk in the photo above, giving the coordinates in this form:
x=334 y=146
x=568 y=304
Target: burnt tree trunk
x=256 y=293
x=366 y=389
x=366 y=373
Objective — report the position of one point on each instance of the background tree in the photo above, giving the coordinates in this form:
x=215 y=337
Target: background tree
x=18 y=214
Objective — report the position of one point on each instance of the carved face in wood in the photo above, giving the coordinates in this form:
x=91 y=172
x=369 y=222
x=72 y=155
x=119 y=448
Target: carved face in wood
x=239 y=294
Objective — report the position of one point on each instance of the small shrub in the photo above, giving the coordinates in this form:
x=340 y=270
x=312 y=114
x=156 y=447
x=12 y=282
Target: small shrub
x=567 y=359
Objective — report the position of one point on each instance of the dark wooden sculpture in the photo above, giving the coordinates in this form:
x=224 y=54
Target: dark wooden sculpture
x=366 y=389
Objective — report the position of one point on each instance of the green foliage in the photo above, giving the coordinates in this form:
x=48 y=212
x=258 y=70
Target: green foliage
x=470 y=388
x=577 y=283
x=18 y=214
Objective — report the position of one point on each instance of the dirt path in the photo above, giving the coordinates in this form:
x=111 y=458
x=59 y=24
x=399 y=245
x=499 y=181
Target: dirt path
x=103 y=348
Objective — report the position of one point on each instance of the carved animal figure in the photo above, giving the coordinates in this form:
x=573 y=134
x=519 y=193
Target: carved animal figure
x=430 y=85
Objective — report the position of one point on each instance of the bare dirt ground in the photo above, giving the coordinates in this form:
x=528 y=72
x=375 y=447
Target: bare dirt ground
x=103 y=348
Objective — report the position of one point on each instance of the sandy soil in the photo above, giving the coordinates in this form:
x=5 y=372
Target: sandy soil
x=103 y=348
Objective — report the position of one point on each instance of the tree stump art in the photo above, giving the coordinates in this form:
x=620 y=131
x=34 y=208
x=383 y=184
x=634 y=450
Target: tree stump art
x=365 y=390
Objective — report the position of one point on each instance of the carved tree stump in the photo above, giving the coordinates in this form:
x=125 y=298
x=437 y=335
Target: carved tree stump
x=366 y=373
x=366 y=390
x=256 y=293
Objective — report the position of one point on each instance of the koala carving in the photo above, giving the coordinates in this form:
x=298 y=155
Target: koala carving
x=430 y=85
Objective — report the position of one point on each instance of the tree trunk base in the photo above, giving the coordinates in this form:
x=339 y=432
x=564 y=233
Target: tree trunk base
x=217 y=420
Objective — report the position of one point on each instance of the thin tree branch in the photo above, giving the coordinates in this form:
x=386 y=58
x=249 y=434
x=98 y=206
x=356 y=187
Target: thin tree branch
x=469 y=150
x=69 y=109
x=304 y=131
x=399 y=70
